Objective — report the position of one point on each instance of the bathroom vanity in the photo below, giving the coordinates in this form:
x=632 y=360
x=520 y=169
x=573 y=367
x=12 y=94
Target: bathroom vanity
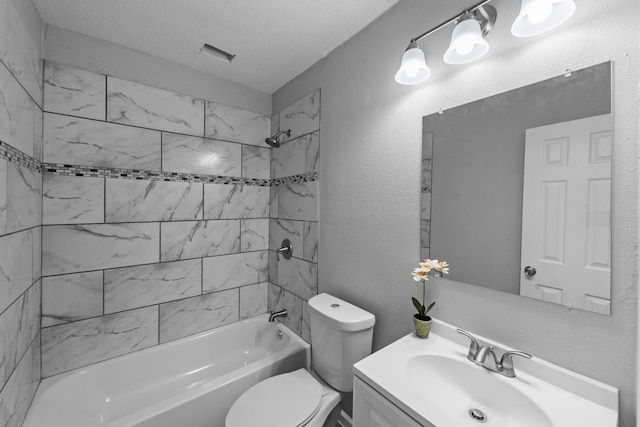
x=414 y=382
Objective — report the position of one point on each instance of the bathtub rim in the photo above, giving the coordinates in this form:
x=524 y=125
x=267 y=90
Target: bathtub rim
x=296 y=341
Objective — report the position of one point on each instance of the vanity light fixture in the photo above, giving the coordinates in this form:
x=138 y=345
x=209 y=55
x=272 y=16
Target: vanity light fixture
x=413 y=68
x=539 y=16
x=472 y=26
x=467 y=40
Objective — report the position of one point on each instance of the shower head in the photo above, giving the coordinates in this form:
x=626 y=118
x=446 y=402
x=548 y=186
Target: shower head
x=273 y=140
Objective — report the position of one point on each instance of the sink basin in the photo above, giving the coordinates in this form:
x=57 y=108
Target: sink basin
x=461 y=387
x=432 y=382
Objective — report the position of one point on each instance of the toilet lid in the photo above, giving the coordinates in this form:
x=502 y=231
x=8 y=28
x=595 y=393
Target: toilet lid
x=287 y=400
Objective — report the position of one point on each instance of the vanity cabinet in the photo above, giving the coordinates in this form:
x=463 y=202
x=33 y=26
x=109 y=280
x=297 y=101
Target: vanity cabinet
x=371 y=409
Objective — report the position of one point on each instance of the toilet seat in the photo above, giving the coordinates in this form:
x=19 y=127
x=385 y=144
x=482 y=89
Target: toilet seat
x=290 y=400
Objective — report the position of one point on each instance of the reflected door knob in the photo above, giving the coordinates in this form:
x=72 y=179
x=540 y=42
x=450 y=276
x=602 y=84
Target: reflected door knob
x=529 y=271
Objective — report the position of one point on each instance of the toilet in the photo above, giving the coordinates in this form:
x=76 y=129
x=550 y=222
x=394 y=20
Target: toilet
x=341 y=335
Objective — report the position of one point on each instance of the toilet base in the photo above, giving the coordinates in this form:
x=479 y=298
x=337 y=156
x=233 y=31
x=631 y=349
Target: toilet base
x=330 y=406
x=332 y=419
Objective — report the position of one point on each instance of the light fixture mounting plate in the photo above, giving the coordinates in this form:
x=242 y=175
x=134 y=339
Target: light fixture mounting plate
x=486 y=16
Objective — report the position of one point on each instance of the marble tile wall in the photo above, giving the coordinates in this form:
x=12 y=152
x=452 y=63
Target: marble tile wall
x=133 y=259
x=293 y=204
x=20 y=208
x=20 y=116
x=232 y=124
x=156 y=217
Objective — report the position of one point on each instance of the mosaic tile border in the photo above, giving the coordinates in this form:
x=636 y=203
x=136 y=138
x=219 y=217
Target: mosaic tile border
x=13 y=155
x=98 y=172
x=294 y=179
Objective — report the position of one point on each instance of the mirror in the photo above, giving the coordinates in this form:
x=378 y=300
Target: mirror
x=516 y=190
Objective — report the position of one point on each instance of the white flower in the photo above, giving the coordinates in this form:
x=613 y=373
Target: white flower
x=428 y=267
x=420 y=274
x=443 y=267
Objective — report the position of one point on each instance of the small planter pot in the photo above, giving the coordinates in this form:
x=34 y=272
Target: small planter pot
x=423 y=327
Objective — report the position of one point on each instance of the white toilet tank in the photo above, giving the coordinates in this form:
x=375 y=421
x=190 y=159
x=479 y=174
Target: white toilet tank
x=341 y=335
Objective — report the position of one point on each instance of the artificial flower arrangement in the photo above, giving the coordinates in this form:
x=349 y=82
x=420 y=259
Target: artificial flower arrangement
x=428 y=268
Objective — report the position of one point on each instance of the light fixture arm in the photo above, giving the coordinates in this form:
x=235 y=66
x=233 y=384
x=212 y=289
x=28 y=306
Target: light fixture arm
x=485 y=14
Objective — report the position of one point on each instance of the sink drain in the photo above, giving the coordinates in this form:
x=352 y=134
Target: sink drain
x=477 y=415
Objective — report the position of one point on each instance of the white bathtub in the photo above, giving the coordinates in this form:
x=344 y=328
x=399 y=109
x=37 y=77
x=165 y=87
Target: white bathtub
x=191 y=382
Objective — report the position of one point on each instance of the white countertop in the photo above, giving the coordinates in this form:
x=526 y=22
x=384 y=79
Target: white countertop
x=567 y=398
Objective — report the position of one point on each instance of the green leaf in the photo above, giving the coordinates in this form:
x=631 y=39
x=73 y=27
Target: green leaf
x=418 y=306
x=430 y=307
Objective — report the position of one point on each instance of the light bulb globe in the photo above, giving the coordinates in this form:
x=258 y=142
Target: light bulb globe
x=539 y=12
x=467 y=43
x=539 y=16
x=413 y=68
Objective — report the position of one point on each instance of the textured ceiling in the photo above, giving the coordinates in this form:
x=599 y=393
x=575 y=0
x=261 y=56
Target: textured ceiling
x=274 y=40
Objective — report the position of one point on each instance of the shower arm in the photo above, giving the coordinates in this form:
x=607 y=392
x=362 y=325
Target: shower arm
x=280 y=132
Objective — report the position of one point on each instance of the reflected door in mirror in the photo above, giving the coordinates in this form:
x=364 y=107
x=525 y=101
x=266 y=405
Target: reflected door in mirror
x=566 y=214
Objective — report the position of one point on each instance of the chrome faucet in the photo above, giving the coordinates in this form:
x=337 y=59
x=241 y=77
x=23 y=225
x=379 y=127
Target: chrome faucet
x=478 y=355
x=286 y=249
x=275 y=314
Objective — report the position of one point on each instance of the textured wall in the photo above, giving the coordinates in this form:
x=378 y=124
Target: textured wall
x=156 y=216
x=370 y=190
x=20 y=207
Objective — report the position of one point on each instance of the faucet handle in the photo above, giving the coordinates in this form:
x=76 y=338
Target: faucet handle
x=506 y=362
x=473 y=347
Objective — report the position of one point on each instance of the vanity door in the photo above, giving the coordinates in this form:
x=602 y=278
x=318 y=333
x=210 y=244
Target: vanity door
x=371 y=409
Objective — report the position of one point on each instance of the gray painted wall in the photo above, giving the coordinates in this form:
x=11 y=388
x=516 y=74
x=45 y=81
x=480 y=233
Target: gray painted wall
x=476 y=214
x=370 y=161
x=103 y=57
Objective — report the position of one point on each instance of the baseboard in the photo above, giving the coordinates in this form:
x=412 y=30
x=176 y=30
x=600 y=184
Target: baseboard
x=345 y=420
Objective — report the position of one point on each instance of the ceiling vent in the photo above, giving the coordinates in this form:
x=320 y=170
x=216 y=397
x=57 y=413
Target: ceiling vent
x=214 y=51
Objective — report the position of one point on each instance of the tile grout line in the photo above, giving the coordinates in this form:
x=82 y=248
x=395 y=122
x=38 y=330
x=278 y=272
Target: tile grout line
x=23 y=87
x=31 y=343
x=104 y=293
x=152 y=304
x=150 y=221
x=106 y=121
x=106 y=97
x=160 y=262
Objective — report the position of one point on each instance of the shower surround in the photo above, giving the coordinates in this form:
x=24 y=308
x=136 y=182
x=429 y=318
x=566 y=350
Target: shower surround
x=156 y=213
x=158 y=220
x=294 y=212
x=20 y=207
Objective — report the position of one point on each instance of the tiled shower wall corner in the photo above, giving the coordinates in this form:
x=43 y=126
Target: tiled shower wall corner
x=294 y=212
x=20 y=207
x=425 y=185
x=155 y=213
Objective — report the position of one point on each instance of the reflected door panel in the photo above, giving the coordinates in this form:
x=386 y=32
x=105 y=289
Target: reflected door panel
x=567 y=213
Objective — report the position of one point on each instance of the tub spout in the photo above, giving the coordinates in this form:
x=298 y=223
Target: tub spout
x=274 y=314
